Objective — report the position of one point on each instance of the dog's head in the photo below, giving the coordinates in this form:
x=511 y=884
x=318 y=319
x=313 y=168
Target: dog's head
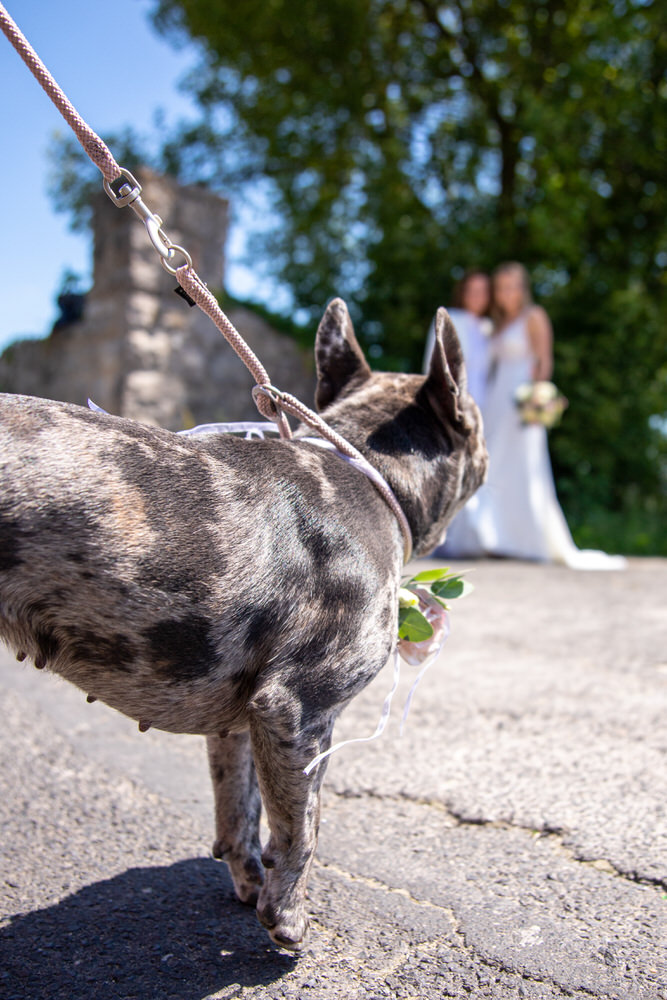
x=423 y=433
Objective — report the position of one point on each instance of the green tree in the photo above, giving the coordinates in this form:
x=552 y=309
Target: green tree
x=404 y=139
x=400 y=141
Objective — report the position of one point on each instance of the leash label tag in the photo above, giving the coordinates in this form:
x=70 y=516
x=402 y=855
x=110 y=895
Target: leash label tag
x=184 y=295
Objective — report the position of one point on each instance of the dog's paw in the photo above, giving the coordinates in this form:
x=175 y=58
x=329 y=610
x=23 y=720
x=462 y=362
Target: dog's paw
x=287 y=939
x=287 y=928
x=246 y=871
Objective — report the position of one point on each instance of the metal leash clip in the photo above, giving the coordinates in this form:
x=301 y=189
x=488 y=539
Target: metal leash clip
x=274 y=411
x=126 y=190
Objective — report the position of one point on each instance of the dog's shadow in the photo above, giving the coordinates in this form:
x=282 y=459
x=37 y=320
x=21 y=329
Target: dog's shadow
x=150 y=934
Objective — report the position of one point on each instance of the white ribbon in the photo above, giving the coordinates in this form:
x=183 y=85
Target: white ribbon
x=430 y=649
x=251 y=428
x=384 y=716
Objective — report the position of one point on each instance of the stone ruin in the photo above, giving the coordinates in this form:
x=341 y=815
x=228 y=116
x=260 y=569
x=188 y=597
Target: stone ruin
x=139 y=350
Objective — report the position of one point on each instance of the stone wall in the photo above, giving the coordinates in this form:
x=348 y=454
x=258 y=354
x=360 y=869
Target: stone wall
x=139 y=350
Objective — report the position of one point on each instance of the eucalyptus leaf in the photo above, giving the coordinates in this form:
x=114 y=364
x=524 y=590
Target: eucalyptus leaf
x=413 y=626
x=452 y=588
x=429 y=575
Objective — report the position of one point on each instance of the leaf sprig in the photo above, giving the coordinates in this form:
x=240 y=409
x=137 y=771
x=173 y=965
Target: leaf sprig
x=440 y=584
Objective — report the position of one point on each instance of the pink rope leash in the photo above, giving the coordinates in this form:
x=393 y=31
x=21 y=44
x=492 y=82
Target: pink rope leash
x=91 y=142
x=297 y=409
x=270 y=402
x=192 y=284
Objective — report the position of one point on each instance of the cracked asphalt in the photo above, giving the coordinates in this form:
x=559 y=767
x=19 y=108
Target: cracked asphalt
x=512 y=844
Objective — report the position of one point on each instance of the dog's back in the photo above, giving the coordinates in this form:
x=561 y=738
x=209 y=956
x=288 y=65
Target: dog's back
x=135 y=559
x=245 y=590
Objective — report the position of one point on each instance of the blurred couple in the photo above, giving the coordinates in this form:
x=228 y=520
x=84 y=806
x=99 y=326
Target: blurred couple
x=507 y=342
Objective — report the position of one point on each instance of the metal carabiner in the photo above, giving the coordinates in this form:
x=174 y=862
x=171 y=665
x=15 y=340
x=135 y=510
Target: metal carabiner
x=275 y=397
x=133 y=199
x=131 y=182
x=157 y=236
x=174 y=249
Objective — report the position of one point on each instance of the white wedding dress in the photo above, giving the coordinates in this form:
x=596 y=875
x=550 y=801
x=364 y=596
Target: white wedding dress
x=516 y=513
x=474 y=335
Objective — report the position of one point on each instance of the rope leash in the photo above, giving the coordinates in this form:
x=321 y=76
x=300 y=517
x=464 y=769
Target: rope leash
x=91 y=142
x=124 y=190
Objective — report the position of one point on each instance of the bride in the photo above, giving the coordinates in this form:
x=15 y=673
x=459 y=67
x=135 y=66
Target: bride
x=517 y=513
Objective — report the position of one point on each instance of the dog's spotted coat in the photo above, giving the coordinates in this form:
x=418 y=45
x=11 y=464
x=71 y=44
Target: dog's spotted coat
x=244 y=590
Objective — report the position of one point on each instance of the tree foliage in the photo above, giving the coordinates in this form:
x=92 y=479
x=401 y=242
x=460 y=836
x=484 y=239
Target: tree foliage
x=402 y=141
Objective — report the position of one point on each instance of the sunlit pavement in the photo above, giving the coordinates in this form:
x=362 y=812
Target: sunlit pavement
x=513 y=842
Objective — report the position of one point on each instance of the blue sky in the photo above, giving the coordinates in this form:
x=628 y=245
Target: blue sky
x=116 y=70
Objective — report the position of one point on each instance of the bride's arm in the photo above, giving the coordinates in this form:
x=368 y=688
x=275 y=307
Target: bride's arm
x=540 y=335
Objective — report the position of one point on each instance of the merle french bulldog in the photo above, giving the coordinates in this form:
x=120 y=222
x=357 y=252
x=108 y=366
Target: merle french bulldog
x=245 y=590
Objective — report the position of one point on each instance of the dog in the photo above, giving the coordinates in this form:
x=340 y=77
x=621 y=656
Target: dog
x=245 y=590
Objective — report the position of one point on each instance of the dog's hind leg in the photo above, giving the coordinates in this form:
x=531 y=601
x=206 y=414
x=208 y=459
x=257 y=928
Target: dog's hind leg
x=237 y=811
x=292 y=803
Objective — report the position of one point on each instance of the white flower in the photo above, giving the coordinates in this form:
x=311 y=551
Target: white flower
x=406 y=599
x=544 y=392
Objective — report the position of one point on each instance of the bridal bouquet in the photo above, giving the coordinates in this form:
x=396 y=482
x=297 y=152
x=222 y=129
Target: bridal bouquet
x=540 y=403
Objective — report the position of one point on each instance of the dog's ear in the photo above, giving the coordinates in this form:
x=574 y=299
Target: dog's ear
x=337 y=354
x=446 y=381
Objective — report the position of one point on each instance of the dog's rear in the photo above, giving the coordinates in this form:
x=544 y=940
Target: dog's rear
x=245 y=590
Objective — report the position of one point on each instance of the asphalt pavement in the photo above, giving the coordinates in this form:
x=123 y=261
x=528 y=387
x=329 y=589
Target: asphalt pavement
x=511 y=844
